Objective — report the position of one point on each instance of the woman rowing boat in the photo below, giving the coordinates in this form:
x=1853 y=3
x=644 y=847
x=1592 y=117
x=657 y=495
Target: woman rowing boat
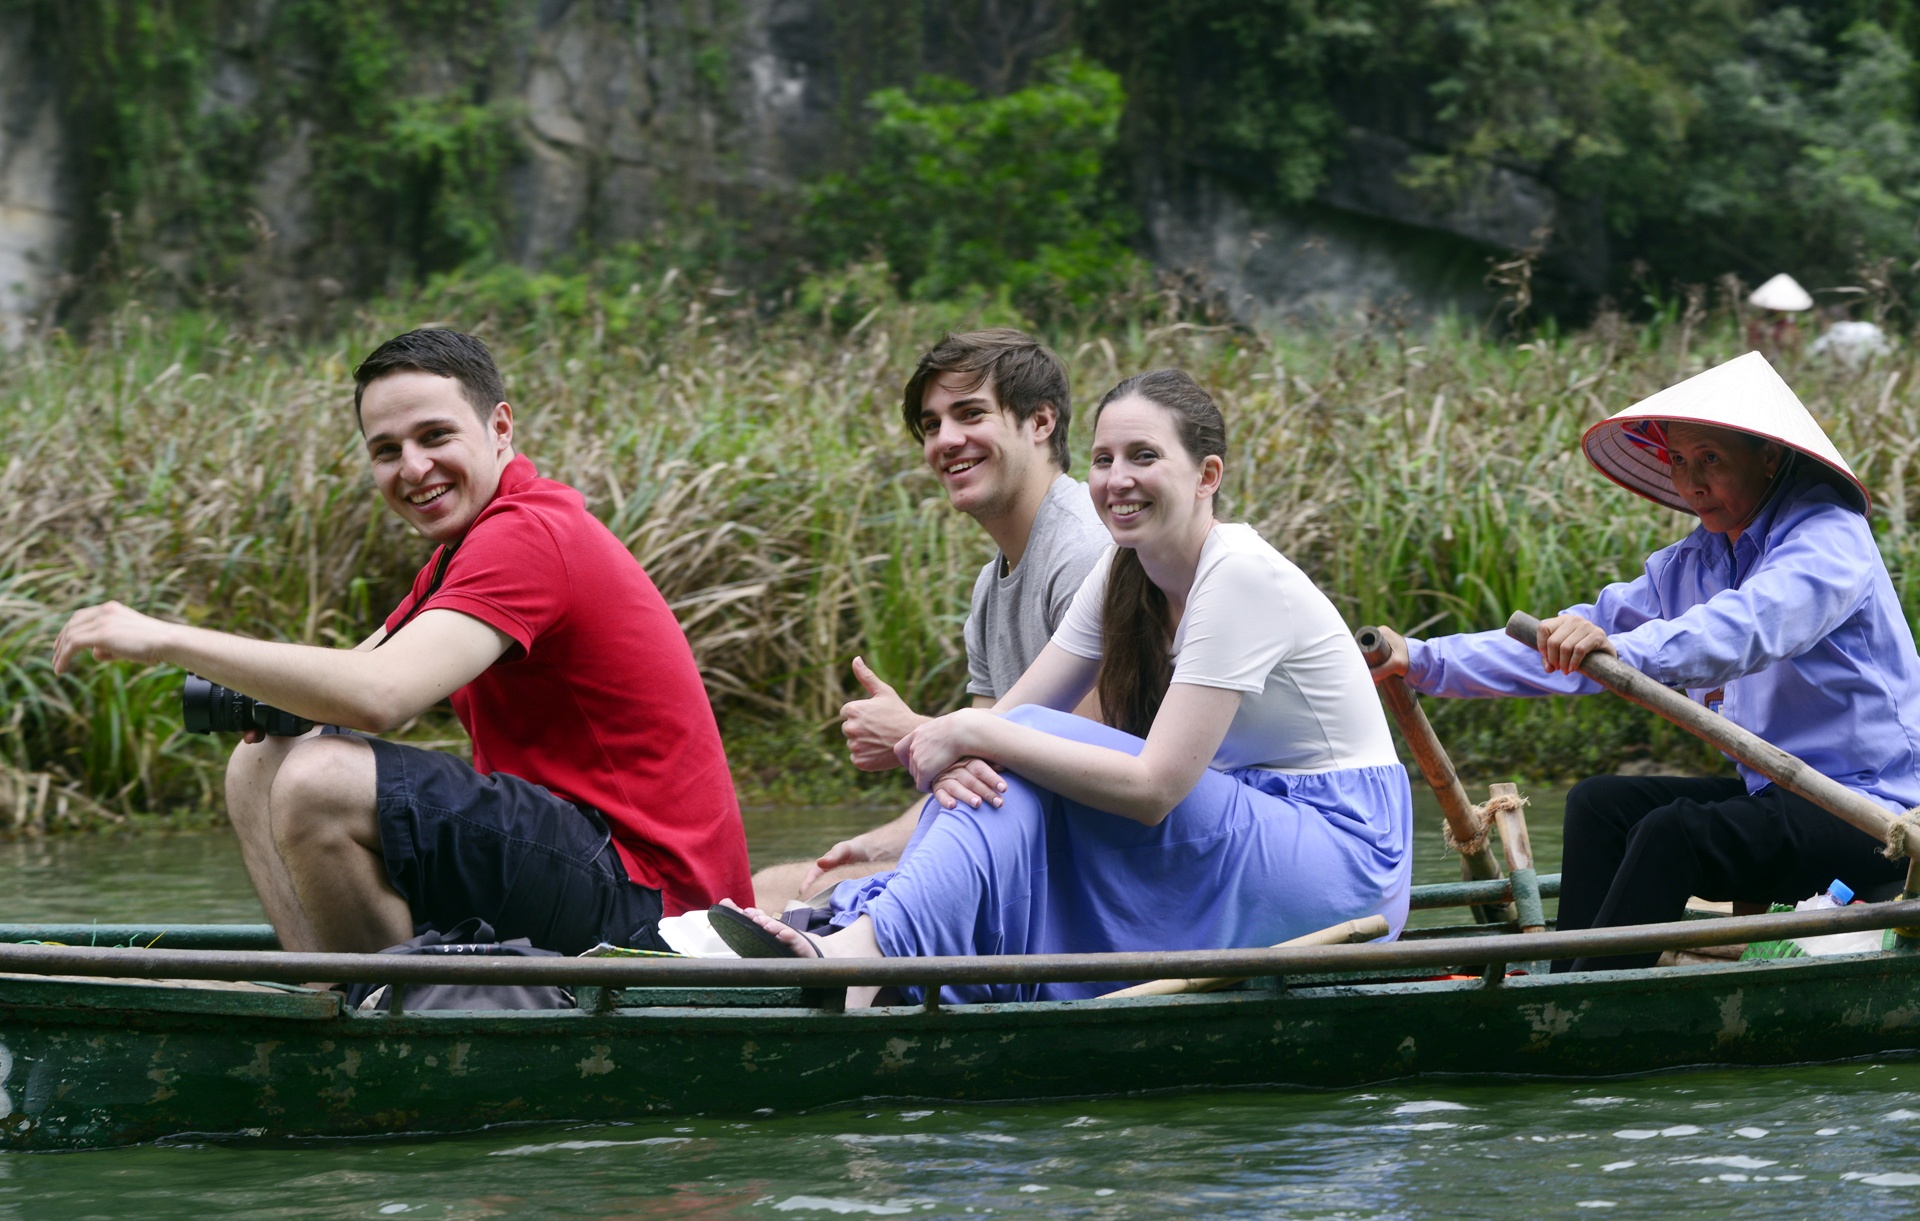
x=1249 y=794
x=1777 y=611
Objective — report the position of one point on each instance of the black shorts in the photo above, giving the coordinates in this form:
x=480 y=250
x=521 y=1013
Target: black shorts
x=459 y=844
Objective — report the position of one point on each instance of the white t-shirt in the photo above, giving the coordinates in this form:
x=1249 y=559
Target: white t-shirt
x=1256 y=624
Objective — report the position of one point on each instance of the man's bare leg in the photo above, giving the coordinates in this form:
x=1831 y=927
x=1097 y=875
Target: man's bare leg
x=321 y=809
x=778 y=887
x=250 y=774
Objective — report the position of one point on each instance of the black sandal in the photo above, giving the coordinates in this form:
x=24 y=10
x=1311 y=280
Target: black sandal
x=748 y=939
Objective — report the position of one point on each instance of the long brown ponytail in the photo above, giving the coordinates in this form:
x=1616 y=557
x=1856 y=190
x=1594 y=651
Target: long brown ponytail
x=1136 y=637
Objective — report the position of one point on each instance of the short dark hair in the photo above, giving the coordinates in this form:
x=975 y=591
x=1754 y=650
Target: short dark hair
x=1023 y=372
x=435 y=350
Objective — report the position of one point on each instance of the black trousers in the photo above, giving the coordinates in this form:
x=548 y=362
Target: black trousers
x=1638 y=846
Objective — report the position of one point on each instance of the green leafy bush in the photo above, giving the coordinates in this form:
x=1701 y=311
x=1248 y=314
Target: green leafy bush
x=963 y=195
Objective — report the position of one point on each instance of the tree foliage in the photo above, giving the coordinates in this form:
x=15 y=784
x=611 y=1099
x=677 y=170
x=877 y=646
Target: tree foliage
x=967 y=193
x=1692 y=137
x=1711 y=135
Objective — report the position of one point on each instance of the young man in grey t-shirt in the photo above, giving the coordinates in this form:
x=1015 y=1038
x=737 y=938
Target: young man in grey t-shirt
x=990 y=410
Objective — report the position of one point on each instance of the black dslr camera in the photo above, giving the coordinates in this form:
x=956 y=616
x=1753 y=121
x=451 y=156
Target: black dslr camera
x=210 y=708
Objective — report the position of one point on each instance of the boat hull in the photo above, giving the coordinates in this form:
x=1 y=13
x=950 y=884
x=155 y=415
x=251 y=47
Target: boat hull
x=90 y=1064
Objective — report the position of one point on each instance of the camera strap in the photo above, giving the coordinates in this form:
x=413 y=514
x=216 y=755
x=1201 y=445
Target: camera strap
x=433 y=587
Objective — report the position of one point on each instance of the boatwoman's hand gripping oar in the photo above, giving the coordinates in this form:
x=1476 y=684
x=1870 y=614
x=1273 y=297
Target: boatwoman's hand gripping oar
x=1565 y=642
x=1395 y=665
x=938 y=753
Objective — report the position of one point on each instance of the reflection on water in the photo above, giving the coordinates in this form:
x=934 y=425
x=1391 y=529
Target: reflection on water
x=187 y=878
x=1841 y=1140
x=1775 y=1143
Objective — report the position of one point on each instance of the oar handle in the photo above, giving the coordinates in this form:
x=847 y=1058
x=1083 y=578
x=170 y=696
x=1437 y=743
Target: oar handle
x=1367 y=928
x=1431 y=757
x=1785 y=770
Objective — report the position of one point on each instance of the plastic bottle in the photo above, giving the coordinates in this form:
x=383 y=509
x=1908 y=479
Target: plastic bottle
x=1839 y=894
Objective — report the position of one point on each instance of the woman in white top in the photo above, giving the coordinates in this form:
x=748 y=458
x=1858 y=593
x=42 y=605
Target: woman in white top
x=1249 y=794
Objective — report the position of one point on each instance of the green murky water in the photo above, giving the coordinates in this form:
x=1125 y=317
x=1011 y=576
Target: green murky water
x=1786 y=1143
x=1839 y=1140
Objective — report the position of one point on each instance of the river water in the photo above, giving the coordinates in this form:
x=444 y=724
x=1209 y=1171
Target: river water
x=1786 y=1143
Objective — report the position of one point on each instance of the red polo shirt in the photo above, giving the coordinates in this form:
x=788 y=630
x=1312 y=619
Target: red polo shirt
x=599 y=699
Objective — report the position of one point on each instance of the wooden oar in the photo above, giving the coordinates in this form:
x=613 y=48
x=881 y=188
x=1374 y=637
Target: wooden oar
x=1785 y=770
x=1367 y=928
x=665 y=972
x=1463 y=818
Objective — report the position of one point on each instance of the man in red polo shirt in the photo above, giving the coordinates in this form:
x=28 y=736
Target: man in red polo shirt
x=598 y=798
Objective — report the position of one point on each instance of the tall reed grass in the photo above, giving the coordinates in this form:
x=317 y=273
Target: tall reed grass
x=194 y=468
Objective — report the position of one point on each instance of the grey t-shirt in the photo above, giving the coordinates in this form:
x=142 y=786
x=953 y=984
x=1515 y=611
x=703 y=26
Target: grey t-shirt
x=1013 y=616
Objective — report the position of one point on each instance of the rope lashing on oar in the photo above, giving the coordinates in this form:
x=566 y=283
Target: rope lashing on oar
x=1483 y=816
x=1903 y=836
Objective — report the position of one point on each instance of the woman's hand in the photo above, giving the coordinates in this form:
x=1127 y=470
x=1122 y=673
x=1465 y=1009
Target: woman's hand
x=941 y=755
x=1568 y=640
x=970 y=780
x=1395 y=666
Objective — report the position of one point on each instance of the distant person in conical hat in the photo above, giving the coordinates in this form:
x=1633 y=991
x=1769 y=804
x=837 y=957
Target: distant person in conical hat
x=1778 y=329
x=1777 y=611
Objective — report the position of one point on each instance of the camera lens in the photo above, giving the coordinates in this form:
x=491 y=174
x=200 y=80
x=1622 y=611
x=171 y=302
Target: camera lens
x=208 y=707
x=196 y=704
x=232 y=711
x=278 y=723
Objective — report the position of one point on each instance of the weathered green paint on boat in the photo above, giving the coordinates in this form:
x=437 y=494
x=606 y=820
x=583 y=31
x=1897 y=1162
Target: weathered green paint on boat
x=91 y=1064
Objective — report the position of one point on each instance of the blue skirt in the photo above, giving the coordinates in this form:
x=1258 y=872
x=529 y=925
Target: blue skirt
x=1250 y=858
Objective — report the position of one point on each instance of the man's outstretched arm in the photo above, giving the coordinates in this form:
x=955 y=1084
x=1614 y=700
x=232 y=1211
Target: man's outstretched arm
x=430 y=658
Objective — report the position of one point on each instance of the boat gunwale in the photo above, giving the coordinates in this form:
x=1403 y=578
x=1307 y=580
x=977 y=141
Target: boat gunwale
x=614 y=973
x=668 y=1019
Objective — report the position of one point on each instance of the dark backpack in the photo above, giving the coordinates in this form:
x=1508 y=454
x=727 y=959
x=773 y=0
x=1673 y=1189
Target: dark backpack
x=473 y=936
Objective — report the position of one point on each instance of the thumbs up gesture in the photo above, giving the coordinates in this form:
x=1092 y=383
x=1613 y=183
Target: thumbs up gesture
x=876 y=724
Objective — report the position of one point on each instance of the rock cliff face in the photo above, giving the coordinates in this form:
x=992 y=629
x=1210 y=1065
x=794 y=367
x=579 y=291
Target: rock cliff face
x=621 y=126
x=35 y=202
x=1368 y=241
x=619 y=129
x=626 y=117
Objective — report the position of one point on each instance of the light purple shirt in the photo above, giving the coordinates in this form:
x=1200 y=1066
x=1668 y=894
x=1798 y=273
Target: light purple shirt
x=1797 y=623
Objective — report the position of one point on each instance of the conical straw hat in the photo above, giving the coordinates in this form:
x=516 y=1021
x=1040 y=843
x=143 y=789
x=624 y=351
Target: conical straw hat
x=1630 y=447
x=1783 y=292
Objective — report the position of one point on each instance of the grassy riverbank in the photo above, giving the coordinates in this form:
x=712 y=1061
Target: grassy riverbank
x=198 y=468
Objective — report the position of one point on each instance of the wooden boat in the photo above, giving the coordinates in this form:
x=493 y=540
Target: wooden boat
x=104 y=1046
